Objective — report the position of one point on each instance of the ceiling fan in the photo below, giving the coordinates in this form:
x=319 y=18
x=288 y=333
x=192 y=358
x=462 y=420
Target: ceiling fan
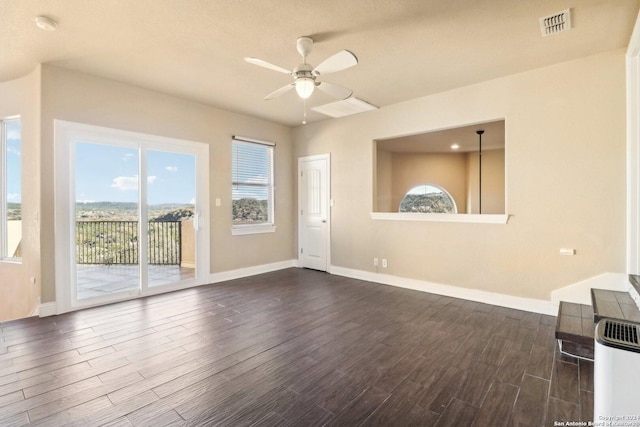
x=305 y=75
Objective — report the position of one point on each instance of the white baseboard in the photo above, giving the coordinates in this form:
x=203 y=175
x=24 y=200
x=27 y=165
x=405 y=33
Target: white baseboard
x=251 y=271
x=35 y=311
x=47 y=309
x=580 y=292
x=510 y=301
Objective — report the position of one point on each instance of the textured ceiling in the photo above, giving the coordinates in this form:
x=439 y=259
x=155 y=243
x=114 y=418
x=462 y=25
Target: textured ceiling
x=406 y=48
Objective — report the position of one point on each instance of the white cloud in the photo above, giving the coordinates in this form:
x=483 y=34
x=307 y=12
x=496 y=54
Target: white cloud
x=171 y=168
x=127 y=157
x=129 y=183
x=125 y=183
x=13 y=134
x=85 y=201
x=13 y=150
x=13 y=196
x=193 y=201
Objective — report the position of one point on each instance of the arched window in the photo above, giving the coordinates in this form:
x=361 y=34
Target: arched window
x=428 y=199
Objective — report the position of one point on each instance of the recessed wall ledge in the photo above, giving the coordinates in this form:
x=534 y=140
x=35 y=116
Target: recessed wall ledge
x=441 y=217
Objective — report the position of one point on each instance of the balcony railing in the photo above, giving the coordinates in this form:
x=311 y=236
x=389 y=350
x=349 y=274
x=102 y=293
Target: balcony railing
x=116 y=242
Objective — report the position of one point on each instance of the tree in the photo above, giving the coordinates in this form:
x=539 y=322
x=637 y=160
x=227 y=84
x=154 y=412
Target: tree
x=249 y=210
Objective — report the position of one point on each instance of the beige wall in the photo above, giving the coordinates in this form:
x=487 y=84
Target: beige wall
x=565 y=182
x=398 y=172
x=444 y=170
x=18 y=295
x=382 y=192
x=565 y=177
x=187 y=244
x=493 y=182
x=78 y=97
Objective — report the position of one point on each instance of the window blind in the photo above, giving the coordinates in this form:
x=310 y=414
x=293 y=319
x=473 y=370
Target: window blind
x=252 y=182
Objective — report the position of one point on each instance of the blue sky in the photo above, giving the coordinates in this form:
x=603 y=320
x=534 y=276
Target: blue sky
x=424 y=189
x=107 y=173
x=14 y=155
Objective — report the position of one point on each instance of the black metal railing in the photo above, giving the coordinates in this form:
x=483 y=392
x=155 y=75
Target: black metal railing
x=116 y=242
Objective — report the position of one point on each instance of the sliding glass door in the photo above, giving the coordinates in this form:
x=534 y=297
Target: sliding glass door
x=171 y=218
x=136 y=214
x=107 y=215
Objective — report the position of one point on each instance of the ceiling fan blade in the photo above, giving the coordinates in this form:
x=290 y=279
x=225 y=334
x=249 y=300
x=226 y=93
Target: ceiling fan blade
x=265 y=64
x=336 y=91
x=338 y=62
x=280 y=91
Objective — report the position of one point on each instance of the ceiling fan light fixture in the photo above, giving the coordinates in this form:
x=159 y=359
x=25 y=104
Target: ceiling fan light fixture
x=304 y=75
x=305 y=87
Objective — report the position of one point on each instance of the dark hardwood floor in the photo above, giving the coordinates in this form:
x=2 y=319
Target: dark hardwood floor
x=294 y=347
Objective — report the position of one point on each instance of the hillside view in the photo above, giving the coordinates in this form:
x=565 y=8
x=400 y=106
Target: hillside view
x=14 y=211
x=427 y=203
x=244 y=211
x=122 y=211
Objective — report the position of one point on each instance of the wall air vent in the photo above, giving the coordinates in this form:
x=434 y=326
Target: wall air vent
x=621 y=332
x=555 y=23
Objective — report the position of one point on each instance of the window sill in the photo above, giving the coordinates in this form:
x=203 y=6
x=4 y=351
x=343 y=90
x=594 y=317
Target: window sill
x=252 y=229
x=436 y=217
x=11 y=260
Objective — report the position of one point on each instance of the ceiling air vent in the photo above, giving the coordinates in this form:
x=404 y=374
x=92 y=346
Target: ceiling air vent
x=556 y=23
x=343 y=108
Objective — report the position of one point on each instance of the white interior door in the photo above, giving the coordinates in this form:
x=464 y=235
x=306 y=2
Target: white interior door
x=314 y=214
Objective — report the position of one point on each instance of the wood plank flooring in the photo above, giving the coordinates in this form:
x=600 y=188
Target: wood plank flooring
x=290 y=348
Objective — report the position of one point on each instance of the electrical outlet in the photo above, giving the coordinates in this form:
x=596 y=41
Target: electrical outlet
x=375 y=262
x=384 y=263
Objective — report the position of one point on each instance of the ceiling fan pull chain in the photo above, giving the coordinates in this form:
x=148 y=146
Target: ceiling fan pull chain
x=304 y=114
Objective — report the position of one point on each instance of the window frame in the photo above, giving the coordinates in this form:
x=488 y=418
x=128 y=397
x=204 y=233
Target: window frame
x=268 y=226
x=4 y=201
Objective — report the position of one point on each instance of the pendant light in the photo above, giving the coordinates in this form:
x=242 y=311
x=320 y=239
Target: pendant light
x=480 y=132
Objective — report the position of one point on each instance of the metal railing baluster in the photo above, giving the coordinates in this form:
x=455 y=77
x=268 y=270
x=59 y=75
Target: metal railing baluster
x=116 y=242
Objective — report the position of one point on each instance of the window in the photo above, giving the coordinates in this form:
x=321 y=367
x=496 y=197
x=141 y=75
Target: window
x=471 y=171
x=10 y=181
x=252 y=186
x=427 y=199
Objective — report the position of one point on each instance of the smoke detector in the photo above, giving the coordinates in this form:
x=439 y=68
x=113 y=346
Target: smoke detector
x=46 y=23
x=556 y=23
